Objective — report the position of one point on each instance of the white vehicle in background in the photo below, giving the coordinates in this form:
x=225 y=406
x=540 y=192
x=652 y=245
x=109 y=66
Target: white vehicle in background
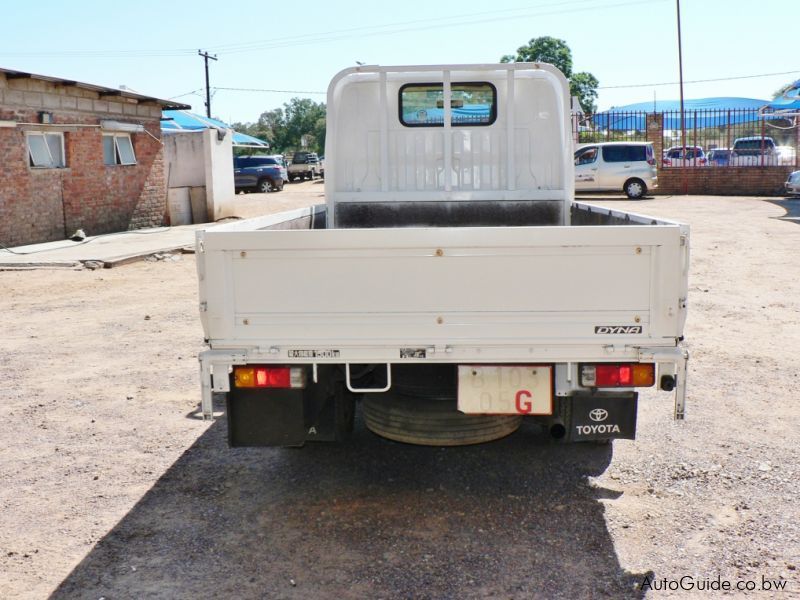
x=629 y=167
x=793 y=184
x=450 y=284
x=787 y=155
x=754 y=151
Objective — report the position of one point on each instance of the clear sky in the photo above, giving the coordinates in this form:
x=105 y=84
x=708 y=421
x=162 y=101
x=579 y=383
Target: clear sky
x=151 y=46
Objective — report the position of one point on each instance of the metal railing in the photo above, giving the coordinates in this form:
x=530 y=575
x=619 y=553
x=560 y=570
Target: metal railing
x=713 y=138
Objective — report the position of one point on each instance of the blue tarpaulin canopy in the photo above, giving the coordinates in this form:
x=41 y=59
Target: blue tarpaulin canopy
x=173 y=121
x=789 y=100
x=706 y=112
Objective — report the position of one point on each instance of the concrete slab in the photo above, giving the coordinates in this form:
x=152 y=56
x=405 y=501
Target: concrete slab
x=109 y=249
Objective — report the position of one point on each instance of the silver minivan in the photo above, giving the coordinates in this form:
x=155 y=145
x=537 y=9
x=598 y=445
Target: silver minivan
x=629 y=167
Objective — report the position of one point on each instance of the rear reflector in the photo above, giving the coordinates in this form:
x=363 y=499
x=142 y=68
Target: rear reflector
x=269 y=377
x=618 y=375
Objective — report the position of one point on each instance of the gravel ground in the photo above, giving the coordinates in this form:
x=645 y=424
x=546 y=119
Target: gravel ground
x=113 y=488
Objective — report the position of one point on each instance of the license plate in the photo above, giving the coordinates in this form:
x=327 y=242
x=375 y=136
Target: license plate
x=519 y=390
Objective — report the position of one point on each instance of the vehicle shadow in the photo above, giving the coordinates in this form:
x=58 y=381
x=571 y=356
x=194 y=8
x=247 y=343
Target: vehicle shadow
x=792 y=207
x=516 y=518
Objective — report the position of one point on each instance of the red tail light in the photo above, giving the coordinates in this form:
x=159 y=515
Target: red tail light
x=667 y=162
x=269 y=377
x=618 y=375
x=651 y=161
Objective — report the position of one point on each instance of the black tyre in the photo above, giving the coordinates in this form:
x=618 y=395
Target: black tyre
x=634 y=189
x=265 y=185
x=291 y=178
x=432 y=422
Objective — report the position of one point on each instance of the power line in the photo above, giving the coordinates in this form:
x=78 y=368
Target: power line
x=193 y=92
x=640 y=85
x=364 y=31
x=381 y=29
x=237 y=89
x=387 y=29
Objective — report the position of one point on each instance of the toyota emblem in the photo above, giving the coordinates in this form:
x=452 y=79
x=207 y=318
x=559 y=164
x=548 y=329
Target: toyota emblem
x=598 y=414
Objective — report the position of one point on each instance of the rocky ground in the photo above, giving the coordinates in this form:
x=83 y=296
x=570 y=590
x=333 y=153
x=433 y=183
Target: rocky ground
x=113 y=488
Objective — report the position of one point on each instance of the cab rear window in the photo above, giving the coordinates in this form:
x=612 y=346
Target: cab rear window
x=471 y=104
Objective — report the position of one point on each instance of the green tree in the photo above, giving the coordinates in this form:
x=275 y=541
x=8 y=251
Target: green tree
x=556 y=52
x=285 y=128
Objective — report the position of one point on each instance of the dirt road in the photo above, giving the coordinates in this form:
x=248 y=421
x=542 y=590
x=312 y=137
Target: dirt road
x=112 y=487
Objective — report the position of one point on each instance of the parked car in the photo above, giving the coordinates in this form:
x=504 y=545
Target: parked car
x=304 y=165
x=754 y=151
x=260 y=173
x=626 y=166
x=689 y=156
x=787 y=155
x=793 y=184
x=719 y=157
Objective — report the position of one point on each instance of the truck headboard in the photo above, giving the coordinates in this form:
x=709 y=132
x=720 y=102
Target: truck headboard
x=449 y=145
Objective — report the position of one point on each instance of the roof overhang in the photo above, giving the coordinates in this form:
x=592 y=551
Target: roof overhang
x=99 y=89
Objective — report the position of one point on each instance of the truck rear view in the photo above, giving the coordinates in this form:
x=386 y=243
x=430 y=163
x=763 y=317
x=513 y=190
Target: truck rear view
x=450 y=286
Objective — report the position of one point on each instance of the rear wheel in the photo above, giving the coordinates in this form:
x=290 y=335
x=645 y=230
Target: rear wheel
x=422 y=409
x=429 y=422
x=265 y=185
x=634 y=189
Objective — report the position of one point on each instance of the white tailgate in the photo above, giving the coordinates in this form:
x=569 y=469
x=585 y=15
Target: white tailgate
x=442 y=286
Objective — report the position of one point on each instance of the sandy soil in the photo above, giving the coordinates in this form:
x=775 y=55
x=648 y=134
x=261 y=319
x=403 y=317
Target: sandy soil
x=112 y=487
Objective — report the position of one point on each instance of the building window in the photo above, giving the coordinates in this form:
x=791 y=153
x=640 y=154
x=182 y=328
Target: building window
x=46 y=150
x=422 y=104
x=118 y=149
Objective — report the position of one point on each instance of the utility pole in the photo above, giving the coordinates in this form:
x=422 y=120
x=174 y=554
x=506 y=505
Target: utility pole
x=683 y=123
x=206 y=56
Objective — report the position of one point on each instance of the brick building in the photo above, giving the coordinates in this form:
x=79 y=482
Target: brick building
x=77 y=156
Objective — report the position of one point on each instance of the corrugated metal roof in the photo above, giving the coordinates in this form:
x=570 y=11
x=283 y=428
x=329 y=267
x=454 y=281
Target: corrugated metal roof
x=102 y=90
x=181 y=120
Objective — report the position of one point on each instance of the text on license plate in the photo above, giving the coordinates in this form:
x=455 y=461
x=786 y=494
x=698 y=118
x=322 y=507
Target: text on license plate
x=522 y=389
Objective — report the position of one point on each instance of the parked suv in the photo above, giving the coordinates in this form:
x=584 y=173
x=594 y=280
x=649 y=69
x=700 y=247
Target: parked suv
x=260 y=173
x=304 y=165
x=626 y=166
x=754 y=151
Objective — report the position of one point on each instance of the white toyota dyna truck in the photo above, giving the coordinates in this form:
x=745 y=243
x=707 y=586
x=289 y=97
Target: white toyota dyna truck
x=450 y=286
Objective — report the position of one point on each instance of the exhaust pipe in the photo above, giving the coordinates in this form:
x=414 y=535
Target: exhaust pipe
x=555 y=427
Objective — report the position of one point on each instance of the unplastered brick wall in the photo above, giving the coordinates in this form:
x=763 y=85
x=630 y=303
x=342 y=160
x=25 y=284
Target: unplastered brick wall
x=38 y=205
x=723 y=181
x=716 y=181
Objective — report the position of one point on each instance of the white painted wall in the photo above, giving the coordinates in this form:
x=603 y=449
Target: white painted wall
x=199 y=159
x=219 y=174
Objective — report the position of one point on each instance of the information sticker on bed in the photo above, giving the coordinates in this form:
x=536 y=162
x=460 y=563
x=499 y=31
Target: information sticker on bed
x=505 y=390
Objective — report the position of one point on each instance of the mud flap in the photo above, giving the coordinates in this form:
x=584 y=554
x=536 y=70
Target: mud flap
x=321 y=412
x=602 y=416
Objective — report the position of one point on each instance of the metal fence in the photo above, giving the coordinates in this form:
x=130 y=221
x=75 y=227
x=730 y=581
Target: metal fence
x=713 y=138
